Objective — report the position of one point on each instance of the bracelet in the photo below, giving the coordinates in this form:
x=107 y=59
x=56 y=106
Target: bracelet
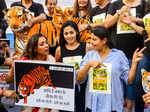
x=89 y=27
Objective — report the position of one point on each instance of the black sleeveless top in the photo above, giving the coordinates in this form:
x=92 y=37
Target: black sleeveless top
x=80 y=51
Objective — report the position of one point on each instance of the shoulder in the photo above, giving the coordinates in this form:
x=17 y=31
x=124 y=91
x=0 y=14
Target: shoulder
x=37 y=4
x=119 y=54
x=95 y=8
x=91 y=53
x=58 y=49
x=116 y=4
x=16 y=4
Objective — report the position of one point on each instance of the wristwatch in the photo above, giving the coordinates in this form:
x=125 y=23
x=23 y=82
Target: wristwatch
x=89 y=27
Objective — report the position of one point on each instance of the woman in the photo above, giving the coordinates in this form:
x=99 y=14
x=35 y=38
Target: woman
x=50 y=5
x=82 y=8
x=71 y=48
x=97 y=14
x=104 y=55
x=36 y=49
x=125 y=38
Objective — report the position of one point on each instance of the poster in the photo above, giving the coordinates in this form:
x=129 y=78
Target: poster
x=74 y=60
x=100 y=79
x=146 y=20
x=124 y=28
x=99 y=18
x=3 y=74
x=145 y=80
x=41 y=84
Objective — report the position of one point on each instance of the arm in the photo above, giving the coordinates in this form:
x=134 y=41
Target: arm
x=127 y=20
x=137 y=56
x=9 y=93
x=83 y=72
x=57 y=54
x=10 y=76
x=39 y=16
x=37 y=19
x=112 y=19
x=136 y=20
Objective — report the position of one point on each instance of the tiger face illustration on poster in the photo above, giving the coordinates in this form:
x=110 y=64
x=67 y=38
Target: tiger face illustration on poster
x=145 y=80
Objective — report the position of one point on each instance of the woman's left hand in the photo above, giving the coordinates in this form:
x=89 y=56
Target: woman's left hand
x=138 y=55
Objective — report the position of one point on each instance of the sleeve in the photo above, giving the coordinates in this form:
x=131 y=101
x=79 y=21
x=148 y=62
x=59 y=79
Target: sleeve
x=83 y=63
x=92 y=12
x=15 y=4
x=124 y=66
x=40 y=10
x=2 y=7
x=112 y=8
x=147 y=44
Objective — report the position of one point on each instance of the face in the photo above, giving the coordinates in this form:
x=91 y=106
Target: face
x=97 y=43
x=99 y=2
x=43 y=48
x=69 y=35
x=51 y=4
x=82 y=3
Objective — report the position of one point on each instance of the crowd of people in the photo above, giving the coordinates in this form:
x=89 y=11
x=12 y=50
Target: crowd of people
x=118 y=38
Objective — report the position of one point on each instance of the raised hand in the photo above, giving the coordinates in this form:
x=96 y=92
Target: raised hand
x=124 y=9
x=138 y=55
x=125 y=19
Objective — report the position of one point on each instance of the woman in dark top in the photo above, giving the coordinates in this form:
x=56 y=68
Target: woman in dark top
x=70 y=48
x=145 y=63
x=124 y=37
x=50 y=5
x=82 y=8
x=97 y=14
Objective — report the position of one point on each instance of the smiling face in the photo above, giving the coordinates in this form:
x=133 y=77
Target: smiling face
x=82 y=3
x=43 y=48
x=70 y=35
x=51 y=4
x=99 y=2
x=97 y=43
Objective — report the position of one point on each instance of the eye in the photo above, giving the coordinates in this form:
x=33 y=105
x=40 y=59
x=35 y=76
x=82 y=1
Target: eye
x=25 y=89
x=19 y=14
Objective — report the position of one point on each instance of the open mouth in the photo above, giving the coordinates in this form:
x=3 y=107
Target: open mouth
x=19 y=29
